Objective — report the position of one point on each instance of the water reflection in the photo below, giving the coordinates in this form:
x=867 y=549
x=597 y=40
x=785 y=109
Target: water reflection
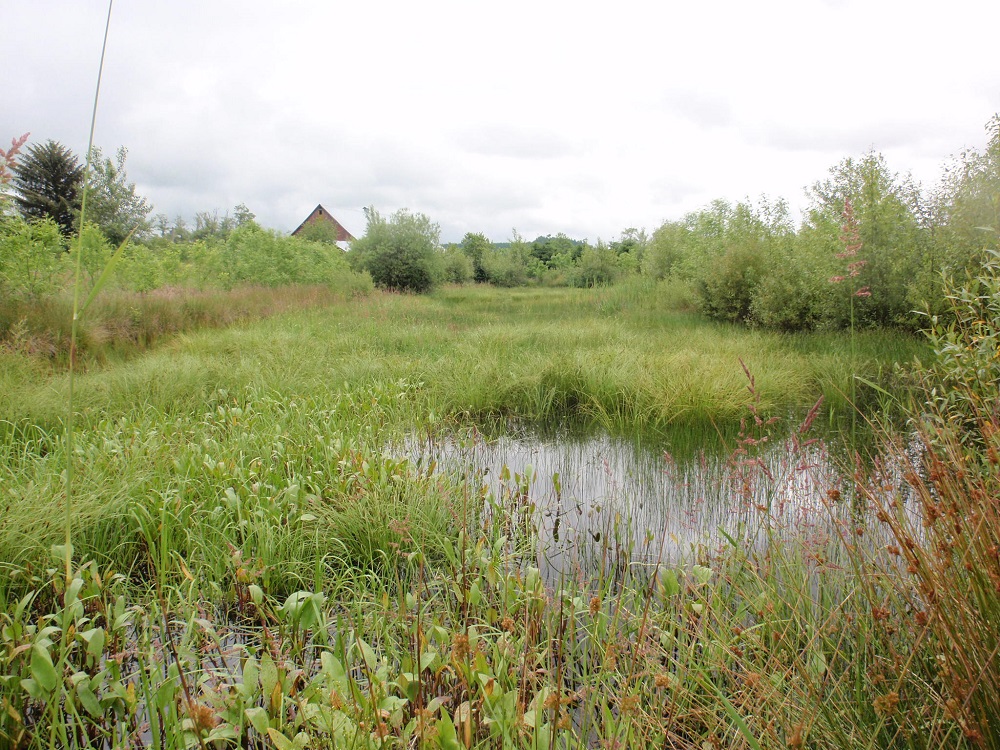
x=602 y=503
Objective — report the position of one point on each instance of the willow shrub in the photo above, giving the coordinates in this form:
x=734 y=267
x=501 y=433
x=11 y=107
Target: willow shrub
x=32 y=257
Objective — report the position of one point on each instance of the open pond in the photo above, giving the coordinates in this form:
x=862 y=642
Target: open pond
x=600 y=503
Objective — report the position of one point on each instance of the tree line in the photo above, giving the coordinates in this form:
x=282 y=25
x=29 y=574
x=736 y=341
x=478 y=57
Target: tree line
x=873 y=248
x=42 y=189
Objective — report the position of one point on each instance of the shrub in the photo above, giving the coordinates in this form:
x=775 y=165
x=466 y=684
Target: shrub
x=504 y=267
x=458 y=267
x=664 y=250
x=251 y=255
x=728 y=293
x=400 y=252
x=32 y=257
x=597 y=266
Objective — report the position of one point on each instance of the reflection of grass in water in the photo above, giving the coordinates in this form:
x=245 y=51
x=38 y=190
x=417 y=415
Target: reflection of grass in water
x=613 y=501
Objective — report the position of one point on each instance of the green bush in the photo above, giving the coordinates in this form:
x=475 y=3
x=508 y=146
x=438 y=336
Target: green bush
x=597 y=266
x=664 y=250
x=458 y=267
x=401 y=252
x=964 y=373
x=510 y=265
x=32 y=257
x=252 y=255
x=728 y=292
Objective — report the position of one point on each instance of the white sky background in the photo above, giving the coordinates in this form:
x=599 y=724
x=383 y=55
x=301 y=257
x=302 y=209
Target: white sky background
x=543 y=116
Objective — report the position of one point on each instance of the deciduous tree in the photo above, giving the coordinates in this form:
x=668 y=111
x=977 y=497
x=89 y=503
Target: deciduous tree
x=112 y=201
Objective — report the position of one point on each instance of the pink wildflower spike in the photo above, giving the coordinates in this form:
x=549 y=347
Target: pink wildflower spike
x=7 y=157
x=863 y=292
x=837 y=279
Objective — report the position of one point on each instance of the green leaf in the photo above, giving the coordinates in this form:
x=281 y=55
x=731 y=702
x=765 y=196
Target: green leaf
x=447 y=737
x=222 y=732
x=256 y=594
x=88 y=700
x=32 y=688
x=334 y=670
x=668 y=583
x=368 y=654
x=257 y=717
x=42 y=669
x=268 y=675
x=280 y=741
x=105 y=274
x=73 y=591
x=251 y=677
x=95 y=642
x=701 y=574
x=428 y=660
x=817 y=664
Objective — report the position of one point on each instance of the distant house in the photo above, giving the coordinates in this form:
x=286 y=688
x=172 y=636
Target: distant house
x=321 y=225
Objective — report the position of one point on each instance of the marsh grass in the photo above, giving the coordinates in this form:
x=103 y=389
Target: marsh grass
x=454 y=639
x=239 y=520
x=122 y=323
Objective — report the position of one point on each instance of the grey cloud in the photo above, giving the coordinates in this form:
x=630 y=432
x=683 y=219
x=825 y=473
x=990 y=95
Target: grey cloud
x=850 y=139
x=702 y=109
x=672 y=191
x=515 y=141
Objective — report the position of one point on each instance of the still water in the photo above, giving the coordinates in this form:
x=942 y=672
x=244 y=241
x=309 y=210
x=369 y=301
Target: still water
x=600 y=503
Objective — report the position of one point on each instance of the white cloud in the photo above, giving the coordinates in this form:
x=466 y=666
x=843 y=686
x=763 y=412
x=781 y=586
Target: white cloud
x=546 y=116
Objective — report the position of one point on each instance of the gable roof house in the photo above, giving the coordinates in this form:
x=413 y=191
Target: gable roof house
x=321 y=224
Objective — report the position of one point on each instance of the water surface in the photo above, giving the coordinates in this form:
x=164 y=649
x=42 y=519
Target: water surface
x=602 y=502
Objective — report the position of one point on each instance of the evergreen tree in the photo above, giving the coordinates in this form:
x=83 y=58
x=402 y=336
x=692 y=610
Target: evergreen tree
x=48 y=183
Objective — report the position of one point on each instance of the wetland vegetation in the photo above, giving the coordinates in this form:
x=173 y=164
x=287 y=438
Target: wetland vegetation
x=308 y=513
x=247 y=515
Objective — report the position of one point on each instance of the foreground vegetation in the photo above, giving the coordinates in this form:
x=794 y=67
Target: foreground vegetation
x=255 y=564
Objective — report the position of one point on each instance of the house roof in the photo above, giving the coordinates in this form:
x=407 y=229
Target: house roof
x=321 y=214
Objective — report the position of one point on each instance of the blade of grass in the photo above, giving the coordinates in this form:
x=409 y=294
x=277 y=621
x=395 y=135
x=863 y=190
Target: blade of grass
x=105 y=274
x=74 y=331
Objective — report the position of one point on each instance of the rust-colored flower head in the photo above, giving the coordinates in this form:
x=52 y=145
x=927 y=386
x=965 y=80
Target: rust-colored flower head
x=850 y=234
x=460 y=646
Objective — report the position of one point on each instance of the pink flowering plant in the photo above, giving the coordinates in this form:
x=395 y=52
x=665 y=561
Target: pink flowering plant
x=8 y=159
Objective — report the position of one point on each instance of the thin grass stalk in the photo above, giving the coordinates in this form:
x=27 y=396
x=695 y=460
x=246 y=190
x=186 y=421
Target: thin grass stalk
x=74 y=329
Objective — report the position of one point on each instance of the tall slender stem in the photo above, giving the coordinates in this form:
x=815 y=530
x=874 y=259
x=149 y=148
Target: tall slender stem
x=74 y=328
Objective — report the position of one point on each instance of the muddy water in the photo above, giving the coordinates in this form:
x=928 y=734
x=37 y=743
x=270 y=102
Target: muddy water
x=602 y=503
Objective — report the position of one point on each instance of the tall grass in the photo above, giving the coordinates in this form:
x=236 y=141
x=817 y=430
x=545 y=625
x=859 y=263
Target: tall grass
x=241 y=520
x=380 y=604
x=120 y=323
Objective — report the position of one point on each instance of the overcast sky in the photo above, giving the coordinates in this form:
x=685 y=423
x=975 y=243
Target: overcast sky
x=539 y=116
